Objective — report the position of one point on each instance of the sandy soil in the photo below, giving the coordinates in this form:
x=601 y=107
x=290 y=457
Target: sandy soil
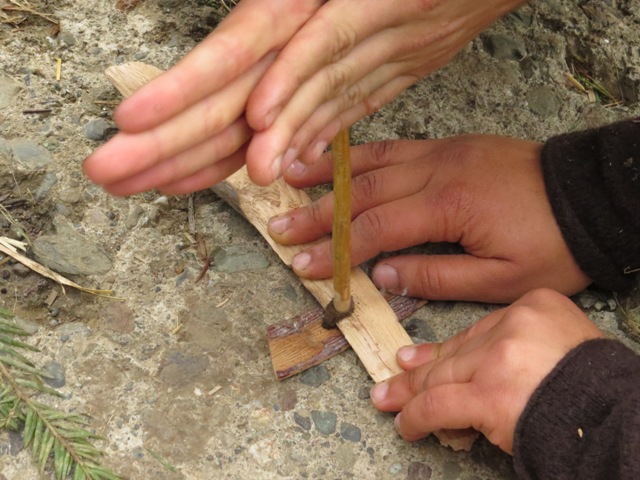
x=177 y=374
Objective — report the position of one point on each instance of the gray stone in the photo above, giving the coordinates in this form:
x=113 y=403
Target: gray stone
x=504 y=47
x=56 y=375
x=21 y=270
x=28 y=326
x=302 y=422
x=315 y=376
x=236 y=258
x=68 y=252
x=585 y=300
x=543 y=101
x=451 y=471
x=350 y=432
x=98 y=129
x=29 y=155
x=134 y=216
x=419 y=328
x=419 y=471
x=9 y=88
x=364 y=393
x=182 y=367
x=16 y=443
x=66 y=39
x=325 y=422
x=73 y=329
x=46 y=185
x=395 y=468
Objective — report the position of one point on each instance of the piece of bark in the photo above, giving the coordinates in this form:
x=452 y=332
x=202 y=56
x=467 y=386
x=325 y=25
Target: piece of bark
x=372 y=329
x=302 y=342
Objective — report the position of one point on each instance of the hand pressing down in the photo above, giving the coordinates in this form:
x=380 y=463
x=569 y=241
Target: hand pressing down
x=484 y=192
x=484 y=376
x=185 y=130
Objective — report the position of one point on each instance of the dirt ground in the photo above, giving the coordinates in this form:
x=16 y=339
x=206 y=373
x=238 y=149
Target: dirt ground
x=177 y=374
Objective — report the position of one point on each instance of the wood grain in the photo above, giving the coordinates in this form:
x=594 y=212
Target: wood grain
x=301 y=342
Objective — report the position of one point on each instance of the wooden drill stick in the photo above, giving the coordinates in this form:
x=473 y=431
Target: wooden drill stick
x=341 y=236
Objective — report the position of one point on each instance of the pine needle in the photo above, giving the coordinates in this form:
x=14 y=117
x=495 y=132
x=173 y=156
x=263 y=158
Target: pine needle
x=57 y=440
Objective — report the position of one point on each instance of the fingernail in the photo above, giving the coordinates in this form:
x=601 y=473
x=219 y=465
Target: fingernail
x=406 y=354
x=296 y=169
x=270 y=117
x=289 y=157
x=279 y=225
x=276 y=167
x=379 y=392
x=318 y=149
x=386 y=277
x=301 y=261
x=396 y=421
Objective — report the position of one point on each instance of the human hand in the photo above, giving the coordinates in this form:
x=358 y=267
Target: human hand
x=484 y=192
x=185 y=130
x=483 y=377
x=351 y=58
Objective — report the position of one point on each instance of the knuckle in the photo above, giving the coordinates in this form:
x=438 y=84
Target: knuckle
x=430 y=281
x=368 y=226
x=239 y=54
x=344 y=39
x=507 y=351
x=352 y=96
x=316 y=213
x=415 y=381
x=430 y=403
x=367 y=186
x=338 y=77
x=542 y=296
x=380 y=153
x=454 y=204
x=373 y=104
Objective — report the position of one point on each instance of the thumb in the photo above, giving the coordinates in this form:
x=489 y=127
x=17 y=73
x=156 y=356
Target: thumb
x=448 y=277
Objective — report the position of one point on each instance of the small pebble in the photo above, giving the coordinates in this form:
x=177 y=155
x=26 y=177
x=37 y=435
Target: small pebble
x=315 y=376
x=364 y=393
x=57 y=377
x=97 y=129
x=325 y=422
x=419 y=471
x=302 y=422
x=395 y=468
x=350 y=432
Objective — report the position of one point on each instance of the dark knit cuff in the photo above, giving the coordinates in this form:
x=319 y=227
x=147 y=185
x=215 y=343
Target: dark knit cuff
x=592 y=180
x=564 y=429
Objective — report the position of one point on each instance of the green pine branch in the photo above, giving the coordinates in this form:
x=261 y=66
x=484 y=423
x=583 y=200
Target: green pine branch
x=56 y=439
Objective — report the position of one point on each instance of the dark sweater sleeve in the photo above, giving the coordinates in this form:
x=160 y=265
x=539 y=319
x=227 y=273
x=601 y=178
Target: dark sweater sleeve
x=592 y=180
x=583 y=421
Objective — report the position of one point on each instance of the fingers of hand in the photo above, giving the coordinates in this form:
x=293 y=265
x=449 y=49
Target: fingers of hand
x=368 y=190
x=447 y=277
x=207 y=176
x=329 y=36
x=188 y=163
x=363 y=98
x=252 y=29
x=451 y=406
x=128 y=154
x=364 y=158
